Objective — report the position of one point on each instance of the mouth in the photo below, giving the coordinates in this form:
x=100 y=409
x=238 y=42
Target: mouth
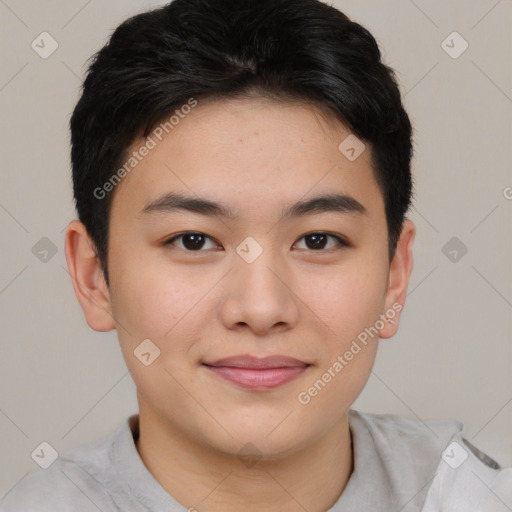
x=258 y=373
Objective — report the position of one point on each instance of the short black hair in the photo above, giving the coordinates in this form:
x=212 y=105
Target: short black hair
x=304 y=50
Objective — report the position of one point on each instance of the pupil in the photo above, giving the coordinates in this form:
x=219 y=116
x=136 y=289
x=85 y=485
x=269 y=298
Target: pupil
x=316 y=239
x=197 y=241
x=194 y=241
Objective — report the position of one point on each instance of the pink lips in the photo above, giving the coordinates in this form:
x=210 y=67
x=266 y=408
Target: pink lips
x=258 y=373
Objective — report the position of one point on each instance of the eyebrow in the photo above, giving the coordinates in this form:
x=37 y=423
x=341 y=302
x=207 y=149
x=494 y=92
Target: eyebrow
x=172 y=202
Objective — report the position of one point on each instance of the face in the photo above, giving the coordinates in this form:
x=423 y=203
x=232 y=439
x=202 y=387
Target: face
x=257 y=308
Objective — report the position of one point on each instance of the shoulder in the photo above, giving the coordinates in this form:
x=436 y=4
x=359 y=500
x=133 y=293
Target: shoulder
x=400 y=453
x=62 y=485
x=468 y=479
x=80 y=479
x=462 y=476
x=403 y=435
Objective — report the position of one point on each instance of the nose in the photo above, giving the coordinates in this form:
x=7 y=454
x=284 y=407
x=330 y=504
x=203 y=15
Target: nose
x=260 y=296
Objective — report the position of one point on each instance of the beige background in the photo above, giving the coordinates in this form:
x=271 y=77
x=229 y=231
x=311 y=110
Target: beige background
x=67 y=385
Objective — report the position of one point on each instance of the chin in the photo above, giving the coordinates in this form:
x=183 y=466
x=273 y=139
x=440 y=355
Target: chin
x=267 y=440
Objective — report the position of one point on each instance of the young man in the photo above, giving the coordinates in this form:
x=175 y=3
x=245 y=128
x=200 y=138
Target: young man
x=241 y=173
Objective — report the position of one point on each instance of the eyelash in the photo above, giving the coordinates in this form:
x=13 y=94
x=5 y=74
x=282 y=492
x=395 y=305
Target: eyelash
x=341 y=241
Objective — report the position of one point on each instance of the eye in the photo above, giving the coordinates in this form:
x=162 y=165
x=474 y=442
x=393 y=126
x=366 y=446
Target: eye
x=319 y=241
x=195 y=242
x=190 y=241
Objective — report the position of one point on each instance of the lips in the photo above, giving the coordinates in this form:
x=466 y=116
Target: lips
x=257 y=373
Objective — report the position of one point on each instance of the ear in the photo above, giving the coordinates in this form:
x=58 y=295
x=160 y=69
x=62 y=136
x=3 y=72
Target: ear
x=399 y=273
x=89 y=283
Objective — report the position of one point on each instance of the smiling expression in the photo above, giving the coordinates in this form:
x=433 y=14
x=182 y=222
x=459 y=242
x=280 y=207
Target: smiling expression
x=251 y=252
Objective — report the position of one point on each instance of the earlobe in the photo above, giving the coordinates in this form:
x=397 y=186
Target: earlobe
x=399 y=274
x=87 y=278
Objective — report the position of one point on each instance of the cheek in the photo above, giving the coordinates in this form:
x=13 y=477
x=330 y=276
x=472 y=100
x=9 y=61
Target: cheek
x=348 y=305
x=348 y=300
x=150 y=297
x=156 y=302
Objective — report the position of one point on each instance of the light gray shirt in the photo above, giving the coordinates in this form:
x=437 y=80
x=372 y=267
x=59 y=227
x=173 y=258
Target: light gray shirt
x=399 y=465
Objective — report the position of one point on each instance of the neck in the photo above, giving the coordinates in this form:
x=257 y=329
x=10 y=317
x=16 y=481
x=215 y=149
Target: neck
x=207 y=480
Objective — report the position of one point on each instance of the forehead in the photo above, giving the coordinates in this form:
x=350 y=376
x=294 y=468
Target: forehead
x=253 y=154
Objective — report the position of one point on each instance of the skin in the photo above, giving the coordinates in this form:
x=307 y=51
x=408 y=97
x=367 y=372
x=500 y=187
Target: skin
x=257 y=157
